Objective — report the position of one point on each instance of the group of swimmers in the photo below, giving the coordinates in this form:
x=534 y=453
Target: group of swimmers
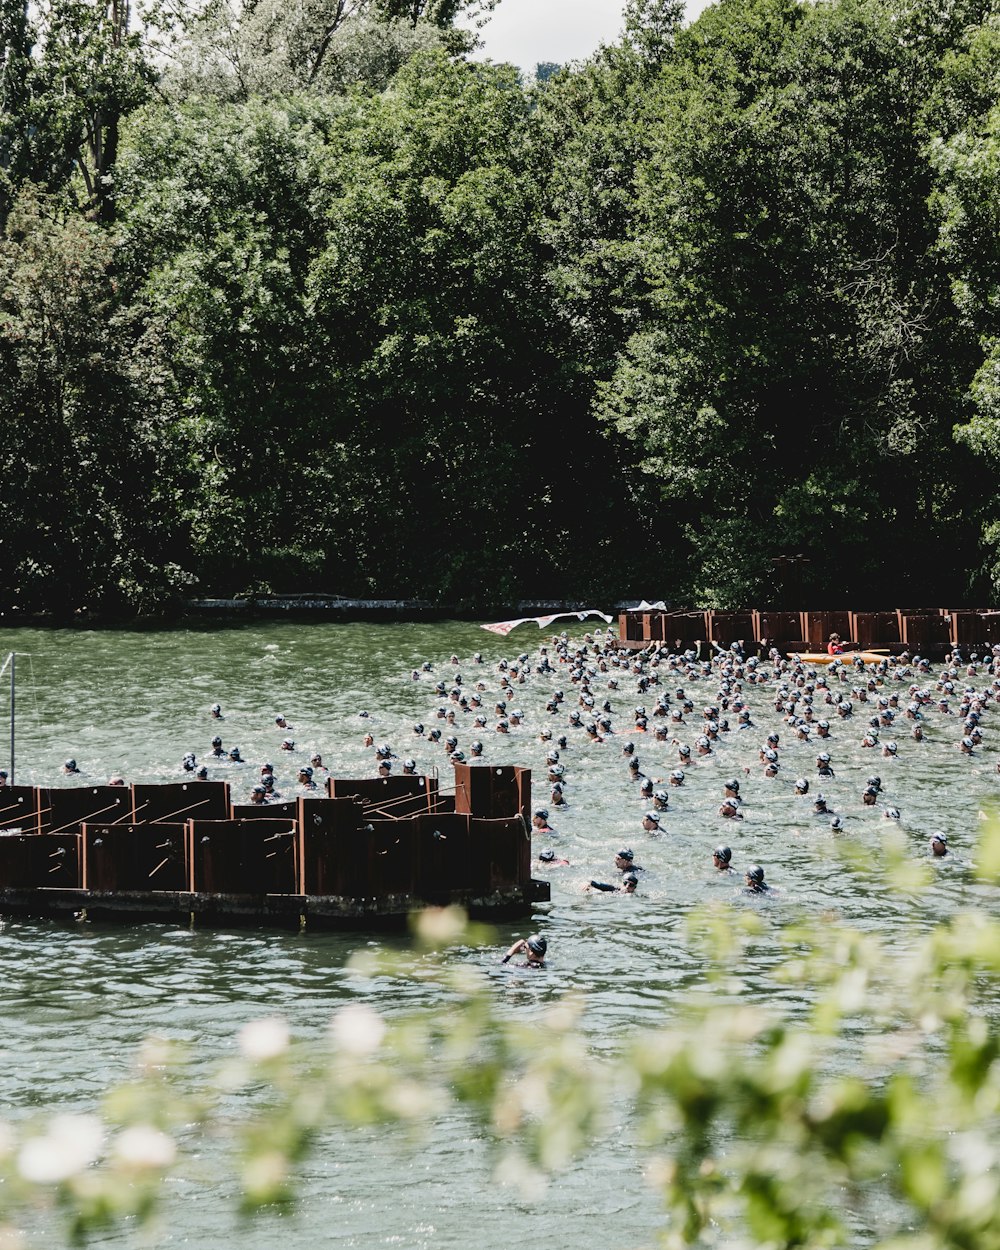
x=824 y=707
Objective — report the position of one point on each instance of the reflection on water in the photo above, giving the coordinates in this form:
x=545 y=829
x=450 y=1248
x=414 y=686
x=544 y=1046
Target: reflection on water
x=76 y=1000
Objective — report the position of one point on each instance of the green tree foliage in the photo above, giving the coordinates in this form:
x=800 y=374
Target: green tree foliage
x=71 y=71
x=795 y=376
x=397 y=323
x=87 y=514
x=237 y=50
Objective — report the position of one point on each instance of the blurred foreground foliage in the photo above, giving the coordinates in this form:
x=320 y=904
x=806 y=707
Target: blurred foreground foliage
x=871 y=1116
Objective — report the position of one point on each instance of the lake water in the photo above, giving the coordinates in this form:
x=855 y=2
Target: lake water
x=76 y=1000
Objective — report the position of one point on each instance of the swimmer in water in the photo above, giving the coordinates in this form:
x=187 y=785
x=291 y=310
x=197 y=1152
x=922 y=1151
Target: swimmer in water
x=625 y=861
x=628 y=886
x=755 y=883
x=722 y=859
x=939 y=845
x=216 y=710
x=651 y=822
x=534 y=949
x=217 y=749
x=551 y=859
x=280 y=721
x=730 y=810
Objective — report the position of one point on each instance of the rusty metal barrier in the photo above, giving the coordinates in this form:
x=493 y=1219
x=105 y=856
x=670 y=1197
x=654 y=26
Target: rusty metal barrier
x=493 y=792
x=333 y=853
x=397 y=796
x=136 y=858
x=243 y=856
x=66 y=810
x=19 y=810
x=180 y=800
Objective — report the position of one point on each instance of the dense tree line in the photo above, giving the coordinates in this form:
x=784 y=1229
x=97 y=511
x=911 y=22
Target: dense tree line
x=301 y=298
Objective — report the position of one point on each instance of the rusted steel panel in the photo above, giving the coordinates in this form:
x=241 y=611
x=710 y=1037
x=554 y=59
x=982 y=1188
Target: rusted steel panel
x=630 y=626
x=728 y=627
x=40 y=861
x=919 y=630
x=500 y=854
x=443 y=855
x=818 y=626
x=493 y=792
x=779 y=628
x=266 y=811
x=381 y=860
x=243 y=856
x=875 y=629
x=683 y=629
x=135 y=857
x=180 y=801
x=65 y=811
x=388 y=796
x=332 y=850
x=19 y=809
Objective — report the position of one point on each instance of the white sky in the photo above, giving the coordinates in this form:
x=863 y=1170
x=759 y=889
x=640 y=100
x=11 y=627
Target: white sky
x=528 y=31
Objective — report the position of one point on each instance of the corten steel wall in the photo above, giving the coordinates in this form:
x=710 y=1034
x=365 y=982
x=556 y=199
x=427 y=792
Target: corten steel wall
x=65 y=811
x=180 y=800
x=356 y=846
x=933 y=631
x=492 y=792
x=45 y=861
x=243 y=856
x=136 y=858
x=330 y=862
x=395 y=796
x=266 y=811
x=784 y=629
x=19 y=808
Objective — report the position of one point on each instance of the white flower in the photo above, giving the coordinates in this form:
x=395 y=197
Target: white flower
x=357 y=1029
x=261 y=1040
x=143 y=1146
x=71 y=1144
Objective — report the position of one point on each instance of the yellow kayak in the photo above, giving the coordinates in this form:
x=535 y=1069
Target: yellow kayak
x=821 y=657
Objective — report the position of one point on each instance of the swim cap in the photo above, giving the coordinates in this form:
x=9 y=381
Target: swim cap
x=755 y=873
x=408 y=763
x=625 y=853
x=537 y=944
x=630 y=878
x=547 y=855
x=723 y=853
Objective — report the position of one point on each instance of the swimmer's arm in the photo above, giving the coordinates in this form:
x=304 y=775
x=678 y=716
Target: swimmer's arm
x=518 y=946
x=602 y=885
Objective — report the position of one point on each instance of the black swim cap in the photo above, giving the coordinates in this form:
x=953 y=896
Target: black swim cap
x=723 y=853
x=537 y=944
x=755 y=873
